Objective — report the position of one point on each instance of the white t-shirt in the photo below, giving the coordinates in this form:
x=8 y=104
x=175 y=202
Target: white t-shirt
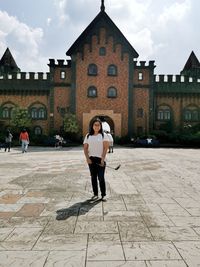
x=95 y=144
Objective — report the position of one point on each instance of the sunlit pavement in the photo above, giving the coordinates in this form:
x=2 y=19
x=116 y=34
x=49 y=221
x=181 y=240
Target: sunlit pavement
x=151 y=216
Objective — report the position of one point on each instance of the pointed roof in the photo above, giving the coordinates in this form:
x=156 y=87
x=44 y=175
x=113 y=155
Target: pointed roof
x=7 y=60
x=192 y=62
x=102 y=20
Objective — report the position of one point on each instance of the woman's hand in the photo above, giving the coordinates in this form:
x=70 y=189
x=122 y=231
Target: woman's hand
x=102 y=162
x=89 y=161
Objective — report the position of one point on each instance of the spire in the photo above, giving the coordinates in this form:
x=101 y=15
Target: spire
x=102 y=6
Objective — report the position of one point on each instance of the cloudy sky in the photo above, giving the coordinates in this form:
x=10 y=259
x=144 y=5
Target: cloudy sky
x=162 y=30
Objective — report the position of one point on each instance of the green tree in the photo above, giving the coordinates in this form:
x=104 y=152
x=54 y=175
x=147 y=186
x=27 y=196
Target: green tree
x=70 y=123
x=20 y=119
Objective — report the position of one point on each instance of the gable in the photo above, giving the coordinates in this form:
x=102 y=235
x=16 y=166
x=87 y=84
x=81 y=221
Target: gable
x=102 y=20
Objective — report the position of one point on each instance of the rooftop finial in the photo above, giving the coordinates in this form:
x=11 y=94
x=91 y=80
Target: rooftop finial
x=102 y=5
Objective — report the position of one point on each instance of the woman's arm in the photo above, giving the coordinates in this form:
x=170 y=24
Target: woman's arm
x=85 y=148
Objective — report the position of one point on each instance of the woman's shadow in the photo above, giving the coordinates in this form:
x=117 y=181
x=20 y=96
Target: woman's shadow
x=77 y=209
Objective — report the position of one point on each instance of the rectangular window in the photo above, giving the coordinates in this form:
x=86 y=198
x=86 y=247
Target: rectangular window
x=62 y=75
x=140 y=76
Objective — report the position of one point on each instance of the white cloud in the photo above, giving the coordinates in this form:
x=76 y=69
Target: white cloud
x=23 y=41
x=174 y=13
x=61 y=11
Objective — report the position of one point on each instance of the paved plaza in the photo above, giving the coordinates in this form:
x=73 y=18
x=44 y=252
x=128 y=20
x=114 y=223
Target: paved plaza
x=151 y=216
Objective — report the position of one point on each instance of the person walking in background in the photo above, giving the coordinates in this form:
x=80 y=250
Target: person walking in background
x=24 y=139
x=110 y=142
x=8 y=140
x=95 y=148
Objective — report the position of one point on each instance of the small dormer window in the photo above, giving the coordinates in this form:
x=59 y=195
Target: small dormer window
x=102 y=51
x=62 y=74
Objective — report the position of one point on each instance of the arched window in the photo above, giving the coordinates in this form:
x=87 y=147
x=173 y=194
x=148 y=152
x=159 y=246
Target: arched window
x=34 y=114
x=112 y=92
x=92 y=91
x=191 y=114
x=163 y=113
x=41 y=113
x=38 y=111
x=92 y=70
x=6 y=110
x=5 y=113
x=37 y=130
x=112 y=70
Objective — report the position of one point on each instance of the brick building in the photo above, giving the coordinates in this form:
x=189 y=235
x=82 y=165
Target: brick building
x=103 y=78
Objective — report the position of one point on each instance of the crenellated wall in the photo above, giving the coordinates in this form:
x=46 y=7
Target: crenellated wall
x=175 y=79
x=39 y=76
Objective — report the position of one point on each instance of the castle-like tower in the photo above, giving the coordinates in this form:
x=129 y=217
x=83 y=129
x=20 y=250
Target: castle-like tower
x=103 y=78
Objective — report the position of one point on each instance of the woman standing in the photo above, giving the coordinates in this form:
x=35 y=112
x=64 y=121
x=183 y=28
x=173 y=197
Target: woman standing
x=96 y=145
x=8 y=140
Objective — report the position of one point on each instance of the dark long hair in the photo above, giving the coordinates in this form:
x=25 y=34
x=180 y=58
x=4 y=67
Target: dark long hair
x=91 y=130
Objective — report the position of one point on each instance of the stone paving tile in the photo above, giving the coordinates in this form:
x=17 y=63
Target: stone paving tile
x=134 y=231
x=168 y=263
x=26 y=200
x=190 y=221
x=6 y=215
x=27 y=222
x=193 y=211
x=60 y=227
x=62 y=242
x=4 y=232
x=150 y=251
x=96 y=227
x=21 y=239
x=9 y=199
x=187 y=202
x=66 y=258
x=113 y=206
x=29 y=210
x=156 y=220
x=122 y=215
x=174 y=209
x=190 y=251
x=116 y=264
x=160 y=200
x=19 y=259
x=197 y=230
x=104 y=247
x=174 y=233
x=10 y=207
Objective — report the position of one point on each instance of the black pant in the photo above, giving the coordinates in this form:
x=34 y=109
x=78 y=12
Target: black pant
x=7 y=146
x=97 y=171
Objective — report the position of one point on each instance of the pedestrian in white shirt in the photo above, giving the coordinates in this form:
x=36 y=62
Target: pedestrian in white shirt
x=110 y=142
